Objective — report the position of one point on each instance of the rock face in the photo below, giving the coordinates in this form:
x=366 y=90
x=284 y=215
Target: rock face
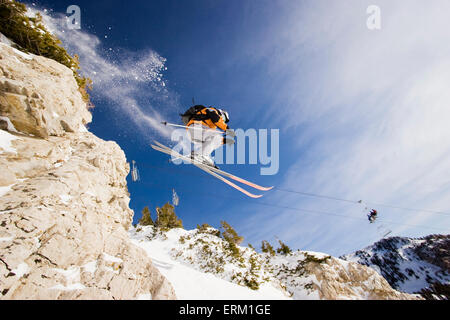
x=39 y=95
x=331 y=278
x=64 y=210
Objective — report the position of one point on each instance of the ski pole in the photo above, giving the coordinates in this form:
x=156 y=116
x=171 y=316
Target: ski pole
x=195 y=128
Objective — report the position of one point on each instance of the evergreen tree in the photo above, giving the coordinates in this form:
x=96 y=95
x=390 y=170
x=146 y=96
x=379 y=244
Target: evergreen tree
x=146 y=219
x=202 y=228
x=230 y=235
x=206 y=228
x=267 y=248
x=167 y=219
x=283 y=249
x=232 y=238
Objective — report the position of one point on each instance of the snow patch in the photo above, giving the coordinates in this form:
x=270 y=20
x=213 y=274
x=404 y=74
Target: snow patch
x=45 y=208
x=90 y=266
x=3 y=191
x=89 y=193
x=4 y=40
x=5 y=211
x=71 y=287
x=109 y=258
x=72 y=278
x=21 y=270
x=145 y=296
x=69 y=274
x=10 y=125
x=37 y=242
x=115 y=263
x=65 y=198
x=82 y=129
x=6 y=140
x=26 y=56
x=317 y=255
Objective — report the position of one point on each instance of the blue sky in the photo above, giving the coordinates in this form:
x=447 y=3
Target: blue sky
x=363 y=114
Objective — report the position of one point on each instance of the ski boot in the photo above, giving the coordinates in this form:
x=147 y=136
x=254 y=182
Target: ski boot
x=203 y=159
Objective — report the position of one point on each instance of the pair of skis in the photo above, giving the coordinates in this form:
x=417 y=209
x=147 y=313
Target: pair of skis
x=217 y=173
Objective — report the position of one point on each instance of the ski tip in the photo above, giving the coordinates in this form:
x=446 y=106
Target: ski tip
x=254 y=196
x=157 y=144
x=266 y=188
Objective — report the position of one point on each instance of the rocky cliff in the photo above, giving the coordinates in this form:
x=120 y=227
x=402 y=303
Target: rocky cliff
x=64 y=210
x=410 y=264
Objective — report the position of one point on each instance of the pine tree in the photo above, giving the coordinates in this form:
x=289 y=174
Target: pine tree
x=203 y=228
x=267 y=248
x=232 y=238
x=283 y=249
x=146 y=219
x=230 y=235
x=167 y=219
x=206 y=228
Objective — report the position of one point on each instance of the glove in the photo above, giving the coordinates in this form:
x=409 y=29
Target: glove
x=228 y=141
x=231 y=133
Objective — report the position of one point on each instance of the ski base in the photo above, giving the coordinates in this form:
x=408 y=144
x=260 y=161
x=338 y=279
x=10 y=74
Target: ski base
x=217 y=173
x=221 y=172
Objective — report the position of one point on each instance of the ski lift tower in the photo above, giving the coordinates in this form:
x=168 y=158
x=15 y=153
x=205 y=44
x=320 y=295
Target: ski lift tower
x=135 y=172
x=175 y=198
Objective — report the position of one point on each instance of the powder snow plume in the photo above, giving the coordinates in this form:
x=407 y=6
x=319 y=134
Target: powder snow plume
x=130 y=82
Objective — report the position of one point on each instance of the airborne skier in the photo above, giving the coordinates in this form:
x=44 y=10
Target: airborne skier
x=202 y=123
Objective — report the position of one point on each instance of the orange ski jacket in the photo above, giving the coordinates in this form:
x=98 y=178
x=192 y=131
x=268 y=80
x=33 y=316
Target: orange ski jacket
x=210 y=117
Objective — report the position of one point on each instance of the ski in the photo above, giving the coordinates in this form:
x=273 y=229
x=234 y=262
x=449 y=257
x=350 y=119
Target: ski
x=224 y=173
x=207 y=169
x=228 y=132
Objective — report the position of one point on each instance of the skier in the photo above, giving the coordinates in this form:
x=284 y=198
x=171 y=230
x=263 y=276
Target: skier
x=202 y=123
x=372 y=215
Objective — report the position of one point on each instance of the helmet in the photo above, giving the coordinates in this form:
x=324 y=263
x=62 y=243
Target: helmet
x=224 y=115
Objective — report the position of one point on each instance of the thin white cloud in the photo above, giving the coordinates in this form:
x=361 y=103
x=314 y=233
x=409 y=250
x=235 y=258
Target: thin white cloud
x=367 y=111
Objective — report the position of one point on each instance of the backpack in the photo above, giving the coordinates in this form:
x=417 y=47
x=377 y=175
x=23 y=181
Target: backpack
x=191 y=113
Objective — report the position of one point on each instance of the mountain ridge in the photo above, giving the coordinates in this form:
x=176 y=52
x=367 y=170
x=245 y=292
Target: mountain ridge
x=304 y=275
x=411 y=265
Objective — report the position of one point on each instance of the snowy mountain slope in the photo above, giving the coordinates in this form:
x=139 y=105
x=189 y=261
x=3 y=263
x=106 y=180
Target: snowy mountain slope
x=190 y=280
x=201 y=265
x=408 y=264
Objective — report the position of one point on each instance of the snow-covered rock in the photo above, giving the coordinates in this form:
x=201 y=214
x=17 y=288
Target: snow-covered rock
x=64 y=210
x=409 y=264
x=201 y=265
